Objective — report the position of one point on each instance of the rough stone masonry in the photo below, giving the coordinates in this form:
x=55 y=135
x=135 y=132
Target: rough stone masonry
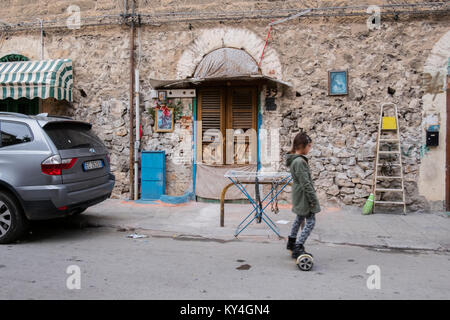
x=385 y=65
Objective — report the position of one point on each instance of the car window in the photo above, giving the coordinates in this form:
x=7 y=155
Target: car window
x=12 y=133
x=72 y=136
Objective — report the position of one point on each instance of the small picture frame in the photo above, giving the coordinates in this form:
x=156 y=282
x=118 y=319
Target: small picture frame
x=164 y=121
x=337 y=82
x=162 y=96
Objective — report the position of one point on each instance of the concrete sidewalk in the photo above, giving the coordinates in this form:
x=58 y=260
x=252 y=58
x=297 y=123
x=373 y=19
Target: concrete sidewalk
x=415 y=231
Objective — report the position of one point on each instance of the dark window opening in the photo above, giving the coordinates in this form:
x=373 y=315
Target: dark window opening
x=12 y=133
x=22 y=105
x=72 y=136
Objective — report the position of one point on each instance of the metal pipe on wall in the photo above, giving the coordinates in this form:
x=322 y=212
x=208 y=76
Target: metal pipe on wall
x=138 y=138
x=130 y=109
x=42 y=56
x=194 y=145
x=42 y=37
x=447 y=144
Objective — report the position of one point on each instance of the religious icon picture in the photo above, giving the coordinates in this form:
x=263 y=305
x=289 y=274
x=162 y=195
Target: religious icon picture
x=337 y=83
x=164 y=121
x=162 y=96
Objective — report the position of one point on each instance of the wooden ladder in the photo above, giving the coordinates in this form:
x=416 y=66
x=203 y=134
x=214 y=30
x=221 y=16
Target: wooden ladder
x=393 y=142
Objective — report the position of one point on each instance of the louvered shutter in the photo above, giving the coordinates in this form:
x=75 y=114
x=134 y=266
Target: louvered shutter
x=242 y=115
x=212 y=114
x=210 y=102
x=224 y=108
x=242 y=108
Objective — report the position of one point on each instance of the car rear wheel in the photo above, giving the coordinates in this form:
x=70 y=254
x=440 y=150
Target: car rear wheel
x=12 y=220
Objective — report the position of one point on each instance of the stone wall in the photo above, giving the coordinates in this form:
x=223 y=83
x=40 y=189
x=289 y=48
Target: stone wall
x=178 y=165
x=14 y=11
x=343 y=128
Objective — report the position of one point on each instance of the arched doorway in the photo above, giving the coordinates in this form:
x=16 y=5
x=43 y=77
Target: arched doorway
x=225 y=104
x=227 y=114
x=230 y=86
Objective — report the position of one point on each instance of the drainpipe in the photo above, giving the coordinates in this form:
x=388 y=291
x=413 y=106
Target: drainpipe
x=42 y=56
x=42 y=38
x=130 y=132
x=194 y=155
x=447 y=142
x=138 y=138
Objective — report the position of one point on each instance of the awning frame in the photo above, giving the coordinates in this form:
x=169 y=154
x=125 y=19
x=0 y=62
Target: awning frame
x=170 y=84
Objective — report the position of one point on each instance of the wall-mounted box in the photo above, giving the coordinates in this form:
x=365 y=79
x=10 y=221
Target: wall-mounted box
x=270 y=104
x=432 y=138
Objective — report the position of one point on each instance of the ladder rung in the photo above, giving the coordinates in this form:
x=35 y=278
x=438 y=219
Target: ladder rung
x=389 y=140
x=388 y=177
x=389 y=152
x=389 y=202
x=391 y=164
x=389 y=190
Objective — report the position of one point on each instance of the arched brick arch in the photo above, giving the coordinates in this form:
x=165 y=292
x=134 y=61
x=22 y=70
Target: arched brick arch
x=438 y=59
x=431 y=182
x=13 y=57
x=23 y=45
x=212 y=39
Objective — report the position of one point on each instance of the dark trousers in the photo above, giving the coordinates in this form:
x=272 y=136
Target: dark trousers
x=310 y=222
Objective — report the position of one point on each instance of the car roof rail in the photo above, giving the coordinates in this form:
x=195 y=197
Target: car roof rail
x=52 y=116
x=14 y=114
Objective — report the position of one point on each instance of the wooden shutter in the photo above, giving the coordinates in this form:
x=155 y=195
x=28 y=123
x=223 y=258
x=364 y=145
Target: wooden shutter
x=212 y=116
x=242 y=111
x=242 y=114
x=211 y=109
x=224 y=108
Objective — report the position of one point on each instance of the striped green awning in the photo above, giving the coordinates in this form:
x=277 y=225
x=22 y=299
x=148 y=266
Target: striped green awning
x=31 y=79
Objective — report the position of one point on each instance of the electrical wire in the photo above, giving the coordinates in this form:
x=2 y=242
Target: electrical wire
x=193 y=16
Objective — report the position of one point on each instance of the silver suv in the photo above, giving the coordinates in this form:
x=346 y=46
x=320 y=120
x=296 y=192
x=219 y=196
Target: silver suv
x=49 y=167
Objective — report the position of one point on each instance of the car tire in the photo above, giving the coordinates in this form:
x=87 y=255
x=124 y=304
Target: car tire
x=13 y=222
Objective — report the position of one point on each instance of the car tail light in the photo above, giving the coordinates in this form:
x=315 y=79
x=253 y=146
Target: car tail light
x=54 y=165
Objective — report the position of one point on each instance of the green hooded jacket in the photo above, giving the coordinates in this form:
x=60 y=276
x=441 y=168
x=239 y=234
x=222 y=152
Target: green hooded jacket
x=304 y=197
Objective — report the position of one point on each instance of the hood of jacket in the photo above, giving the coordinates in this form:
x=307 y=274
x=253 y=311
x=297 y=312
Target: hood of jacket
x=291 y=157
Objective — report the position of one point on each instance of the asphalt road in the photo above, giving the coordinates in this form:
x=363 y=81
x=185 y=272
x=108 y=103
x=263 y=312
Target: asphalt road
x=113 y=266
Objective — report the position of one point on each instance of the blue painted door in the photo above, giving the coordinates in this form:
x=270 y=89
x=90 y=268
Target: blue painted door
x=153 y=172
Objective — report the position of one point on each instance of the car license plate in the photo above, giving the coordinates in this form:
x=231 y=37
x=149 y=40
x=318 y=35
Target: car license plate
x=91 y=165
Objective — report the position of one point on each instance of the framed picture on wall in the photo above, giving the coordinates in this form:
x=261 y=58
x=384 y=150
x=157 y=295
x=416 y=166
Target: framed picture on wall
x=164 y=121
x=337 y=82
x=162 y=96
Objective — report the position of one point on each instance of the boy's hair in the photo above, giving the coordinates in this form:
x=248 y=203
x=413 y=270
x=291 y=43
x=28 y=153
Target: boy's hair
x=301 y=140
